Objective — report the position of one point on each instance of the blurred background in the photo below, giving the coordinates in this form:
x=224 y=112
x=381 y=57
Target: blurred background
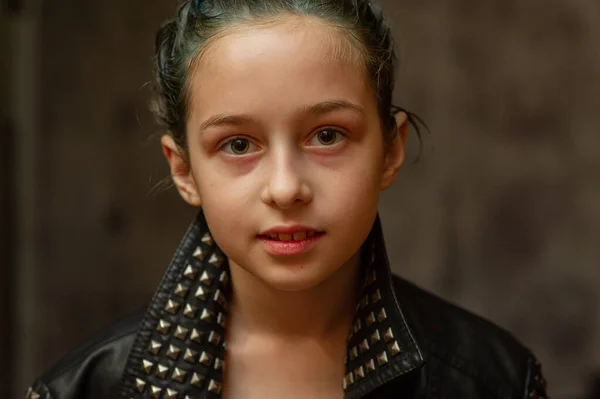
x=500 y=215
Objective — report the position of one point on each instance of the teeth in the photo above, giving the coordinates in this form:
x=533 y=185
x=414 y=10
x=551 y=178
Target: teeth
x=285 y=237
x=300 y=236
x=273 y=236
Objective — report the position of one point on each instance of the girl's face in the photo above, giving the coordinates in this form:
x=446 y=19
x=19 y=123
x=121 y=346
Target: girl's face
x=283 y=133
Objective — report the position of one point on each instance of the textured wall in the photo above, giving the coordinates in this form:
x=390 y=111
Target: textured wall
x=501 y=215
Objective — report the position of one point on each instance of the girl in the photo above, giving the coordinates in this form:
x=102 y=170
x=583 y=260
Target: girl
x=281 y=128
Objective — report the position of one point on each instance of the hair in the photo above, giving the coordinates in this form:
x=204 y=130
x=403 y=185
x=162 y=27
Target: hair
x=181 y=40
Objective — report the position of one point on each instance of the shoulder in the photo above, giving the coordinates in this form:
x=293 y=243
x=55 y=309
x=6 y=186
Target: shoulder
x=94 y=369
x=460 y=344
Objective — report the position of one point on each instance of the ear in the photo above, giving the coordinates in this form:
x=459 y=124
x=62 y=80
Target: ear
x=394 y=153
x=180 y=171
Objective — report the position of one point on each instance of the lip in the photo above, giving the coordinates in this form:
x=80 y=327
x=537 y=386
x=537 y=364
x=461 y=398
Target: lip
x=296 y=228
x=290 y=247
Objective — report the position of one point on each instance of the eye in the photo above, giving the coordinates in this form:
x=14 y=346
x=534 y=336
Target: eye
x=327 y=137
x=238 y=146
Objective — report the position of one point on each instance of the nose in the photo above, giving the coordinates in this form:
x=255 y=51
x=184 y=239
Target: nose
x=286 y=185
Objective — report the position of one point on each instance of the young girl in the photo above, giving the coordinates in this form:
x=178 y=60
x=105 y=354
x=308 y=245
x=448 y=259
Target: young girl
x=281 y=128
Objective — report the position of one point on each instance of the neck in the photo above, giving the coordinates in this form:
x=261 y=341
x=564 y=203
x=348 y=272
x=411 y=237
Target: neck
x=325 y=311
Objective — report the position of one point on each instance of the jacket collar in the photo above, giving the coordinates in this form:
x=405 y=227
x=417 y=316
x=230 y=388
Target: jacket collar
x=179 y=350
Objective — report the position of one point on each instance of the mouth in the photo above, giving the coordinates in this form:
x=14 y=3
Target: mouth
x=295 y=236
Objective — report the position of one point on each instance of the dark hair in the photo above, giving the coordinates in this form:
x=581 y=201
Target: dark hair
x=181 y=40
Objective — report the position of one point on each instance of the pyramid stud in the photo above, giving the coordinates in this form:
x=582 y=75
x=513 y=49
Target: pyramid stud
x=205 y=359
x=154 y=347
x=201 y=293
x=353 y=353
x=161 y=371
x=214 y=338
x=197 y=380
x=197 y=336
x=205 y=278
x=394 y=348
x=370 y=366
x=163 y=327
x=370 y=319
x=170 y=394
x=190 y=272
x=364 y=346
x=179 y=375
x=388 y=335
x=173 y=352
x=219 y=364
x=181 y=290
x=172 y=306
x=190 y=355
x=216 y=260
x=344 y=383
x=181 y=333
x=140 y=385
x=155 y=392
x=224 y=278
x=190 y=311
x=220 y=298
x=199 y=254
x=350 y=378
x=357 y=326
x=359 y=373
x=375 y=337
x=382 y=358
x=364 y=302
x=382 y=315
x=221 y=319
x=147 y=366
x=207 y=239
x=214 y=387
x=376 y=297
x=28 y=393
x=207 y=315
x=371 y=277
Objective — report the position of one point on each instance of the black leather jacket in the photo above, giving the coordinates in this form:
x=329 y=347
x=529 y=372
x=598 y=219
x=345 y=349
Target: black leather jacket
x=406 y=343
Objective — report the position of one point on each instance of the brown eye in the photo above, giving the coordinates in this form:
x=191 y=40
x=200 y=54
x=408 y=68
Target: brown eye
x=327 y=137
x=237 y=146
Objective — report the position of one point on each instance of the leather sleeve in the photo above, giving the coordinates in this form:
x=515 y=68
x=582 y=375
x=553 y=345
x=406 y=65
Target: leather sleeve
x=536 y=386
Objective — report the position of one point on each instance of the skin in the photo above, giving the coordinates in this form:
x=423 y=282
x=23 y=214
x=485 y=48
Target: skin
x=289 y=316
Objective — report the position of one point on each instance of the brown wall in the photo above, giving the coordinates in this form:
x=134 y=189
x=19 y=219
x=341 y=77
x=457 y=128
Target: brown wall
x=501 y=215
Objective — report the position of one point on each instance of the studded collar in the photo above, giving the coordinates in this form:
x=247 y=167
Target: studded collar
x=179 y=350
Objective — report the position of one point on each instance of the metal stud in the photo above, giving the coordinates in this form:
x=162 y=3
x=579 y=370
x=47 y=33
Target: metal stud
x=219 y=364
x=207 y=239
x=155 y=392
x=161 y=371
x=370 y=319
x=206 y=359
x=154 y=347
x=181 y=290
x=375 y=337
x=382 y=315
x=357 y=326
x=220 y=298
x=179 y=375
x=28 y=393
x=35 y=395
x=197 y=380
x=353 y=353
x=364 y=346
x=224 y=278
x=197 y=336
x=147 y=366
x=371 y=277
x=181 y=333
x=170 y=394
x=350 y=378
x=214 y=386
x=222 y=320
x=163 y=327
x=214 y=338
x=201 y=294
x=388 y=335
x=172 y=306
x=382 y=358
x=376 y=297
x=199 y=254
x=216 y=260
x=140 y=385
x=394 y=348
x=190 y=311
x=359 y=373
x=190 y=355
x=344 y=383
x=173 y=352
x=205 y=278
x=207 y=315
x=190 y=272
x=370 y=366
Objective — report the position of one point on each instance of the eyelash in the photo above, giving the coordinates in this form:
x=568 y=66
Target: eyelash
x=340 y=135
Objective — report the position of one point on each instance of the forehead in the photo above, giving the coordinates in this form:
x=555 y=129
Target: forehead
x=296 y=61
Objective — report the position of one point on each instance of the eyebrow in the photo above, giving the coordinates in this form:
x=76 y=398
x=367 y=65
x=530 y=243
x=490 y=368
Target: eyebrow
x=317 y=109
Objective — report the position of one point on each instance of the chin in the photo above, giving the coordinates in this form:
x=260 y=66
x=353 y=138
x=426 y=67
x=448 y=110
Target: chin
x=293 y=279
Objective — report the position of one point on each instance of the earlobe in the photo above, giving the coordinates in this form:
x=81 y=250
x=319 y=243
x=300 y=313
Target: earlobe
x=394 y=153
x=180 y=171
